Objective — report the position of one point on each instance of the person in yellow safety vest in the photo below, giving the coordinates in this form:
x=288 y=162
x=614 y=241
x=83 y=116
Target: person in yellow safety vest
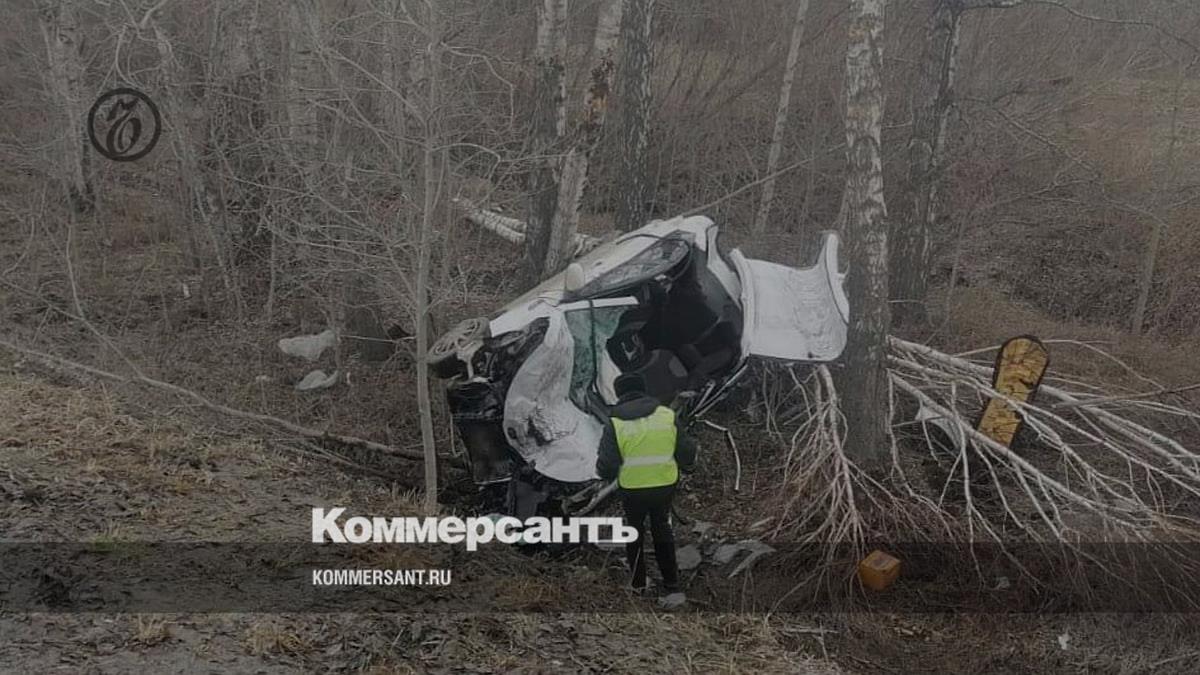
x=644 y=448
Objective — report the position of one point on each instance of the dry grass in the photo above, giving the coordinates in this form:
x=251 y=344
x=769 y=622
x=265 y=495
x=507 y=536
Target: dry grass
x=149 y=630
x=275 y=637
x=982 y=316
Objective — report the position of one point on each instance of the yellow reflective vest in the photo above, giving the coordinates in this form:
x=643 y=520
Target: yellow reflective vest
x=647 y=447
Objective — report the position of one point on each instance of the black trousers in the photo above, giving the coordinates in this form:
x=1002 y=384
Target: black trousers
x=655 y=504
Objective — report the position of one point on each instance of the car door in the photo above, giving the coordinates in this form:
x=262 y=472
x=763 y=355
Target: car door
x=795 y=314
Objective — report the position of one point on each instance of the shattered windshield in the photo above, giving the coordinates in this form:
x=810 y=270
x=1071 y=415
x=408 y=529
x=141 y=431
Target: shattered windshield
x=659 y=258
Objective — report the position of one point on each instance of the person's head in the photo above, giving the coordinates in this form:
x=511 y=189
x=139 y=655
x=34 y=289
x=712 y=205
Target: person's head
x=629 y=384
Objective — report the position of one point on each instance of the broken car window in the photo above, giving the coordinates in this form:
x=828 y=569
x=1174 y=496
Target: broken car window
x=591 y=328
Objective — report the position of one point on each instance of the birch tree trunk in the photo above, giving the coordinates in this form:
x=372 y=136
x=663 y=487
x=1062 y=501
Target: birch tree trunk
x=932 y=99
x=573 y=174
x=781 y=118
x=864 y=219
x=60 y=29
x=549 y=125
x=633 y=185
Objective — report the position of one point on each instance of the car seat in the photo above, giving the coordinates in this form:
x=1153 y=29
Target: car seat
x=664 y=374
x=626 y=347
x=715 y=349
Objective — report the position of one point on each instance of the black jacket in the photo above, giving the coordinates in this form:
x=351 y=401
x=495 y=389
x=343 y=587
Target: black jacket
x=637 y=406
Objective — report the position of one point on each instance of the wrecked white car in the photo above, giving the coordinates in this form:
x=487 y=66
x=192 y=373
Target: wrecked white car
x=529 y=388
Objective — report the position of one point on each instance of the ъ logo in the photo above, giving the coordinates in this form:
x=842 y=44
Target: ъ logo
x=124 y=124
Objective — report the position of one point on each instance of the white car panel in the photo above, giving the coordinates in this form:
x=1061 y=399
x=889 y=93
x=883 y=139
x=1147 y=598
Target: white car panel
x=522 y=316
x=720 y=269
x=794 y=314
x=541 y=423
x=534 y=303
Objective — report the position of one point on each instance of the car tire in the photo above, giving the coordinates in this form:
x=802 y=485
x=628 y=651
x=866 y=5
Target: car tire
x=443 y=355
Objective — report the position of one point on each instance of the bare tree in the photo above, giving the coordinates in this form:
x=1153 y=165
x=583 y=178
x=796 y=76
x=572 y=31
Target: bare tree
x=201 y=203
x=634 y=182
x=586 y=136
x=931 y=103
x=781 y=117
x=864 y=220
x=60 y=29
x=549 y=125
x=431 y=195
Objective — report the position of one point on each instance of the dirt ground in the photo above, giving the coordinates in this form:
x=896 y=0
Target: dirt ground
x=75 y=466
x=81 y=463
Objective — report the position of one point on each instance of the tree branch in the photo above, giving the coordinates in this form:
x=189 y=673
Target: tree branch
x=215 y=407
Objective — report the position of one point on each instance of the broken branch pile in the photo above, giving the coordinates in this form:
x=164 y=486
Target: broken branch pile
x=1087 y=475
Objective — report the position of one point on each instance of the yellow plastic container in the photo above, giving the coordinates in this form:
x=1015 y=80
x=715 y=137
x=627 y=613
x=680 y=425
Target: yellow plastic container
x=878 y=570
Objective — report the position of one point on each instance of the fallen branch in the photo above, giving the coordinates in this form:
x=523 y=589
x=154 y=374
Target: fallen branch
x=512 y=230
x=1092 y=474
x=737 y=458
x=1127 y=397
x=215 y=407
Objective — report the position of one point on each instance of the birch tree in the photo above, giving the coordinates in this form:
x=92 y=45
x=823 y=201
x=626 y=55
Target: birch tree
x=864 y=221
x=586 y=136
x=633 y=186
x=549 y=125
x=781 y=117
x=931 y=103
x=59 y=21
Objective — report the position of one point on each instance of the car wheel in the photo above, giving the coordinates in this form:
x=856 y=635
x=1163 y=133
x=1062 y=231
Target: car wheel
x=443 y=355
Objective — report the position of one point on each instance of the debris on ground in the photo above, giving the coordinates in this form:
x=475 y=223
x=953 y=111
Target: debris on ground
x=688 y=557
x=308 y=347
x=317 y=379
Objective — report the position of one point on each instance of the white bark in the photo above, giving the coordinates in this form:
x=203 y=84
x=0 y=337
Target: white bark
x=781 y=117
x=572 y=175
x=512 y=230
x=549 y=125
x=60 y=29
x=865 y=221
x=574 y=169
x=552 y=51
x=608 y=27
